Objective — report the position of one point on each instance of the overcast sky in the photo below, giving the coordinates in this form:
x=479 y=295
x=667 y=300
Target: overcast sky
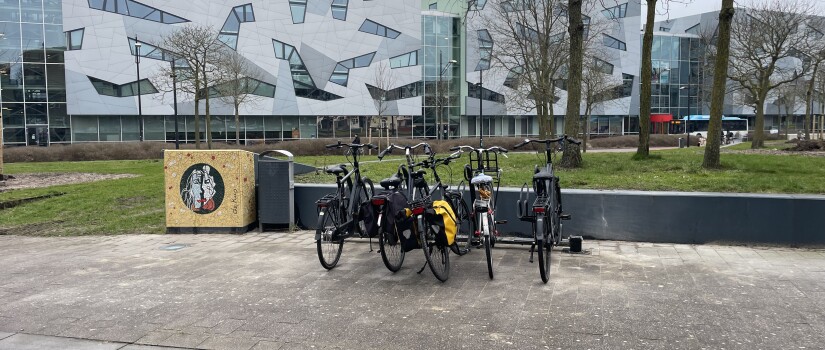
x=682 y=8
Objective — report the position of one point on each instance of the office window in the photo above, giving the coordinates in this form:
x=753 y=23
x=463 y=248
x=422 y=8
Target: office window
x=615 y=12
x=135 y=9
x=405 y=60
x=377 y=29
x=74 y=39
x=229 y=32
x=339 y=9
x=298 y=8
x=612 y=42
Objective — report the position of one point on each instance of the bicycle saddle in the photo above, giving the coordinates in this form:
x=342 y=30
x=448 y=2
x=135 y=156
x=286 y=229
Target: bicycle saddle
x=337 y=169
x=481 y=178
x=543 y=174
x=392 y=181
x=419 y=173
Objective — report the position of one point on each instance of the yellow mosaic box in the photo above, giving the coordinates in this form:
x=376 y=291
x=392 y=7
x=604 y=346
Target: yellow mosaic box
x=209 y=191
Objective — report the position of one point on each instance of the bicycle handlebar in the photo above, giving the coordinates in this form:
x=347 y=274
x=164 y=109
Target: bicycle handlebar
x=548 y=141
x=496 y=149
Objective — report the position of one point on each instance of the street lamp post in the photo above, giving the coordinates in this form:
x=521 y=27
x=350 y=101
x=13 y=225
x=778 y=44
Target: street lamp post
x=439 y=115
x=480 y=109
x=140 y=109
x=2 y=177
x=174 y=76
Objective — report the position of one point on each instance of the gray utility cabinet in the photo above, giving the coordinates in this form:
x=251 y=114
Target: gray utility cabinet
x=275 y=189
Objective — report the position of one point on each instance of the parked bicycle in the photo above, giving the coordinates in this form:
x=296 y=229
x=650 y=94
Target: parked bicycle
x=340 y=214
x=421 y=206
x=385 y=206
x=483 y=193
x=545 y=213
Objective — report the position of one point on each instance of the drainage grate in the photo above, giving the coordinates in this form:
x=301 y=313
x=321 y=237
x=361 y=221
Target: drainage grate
x=173 y=247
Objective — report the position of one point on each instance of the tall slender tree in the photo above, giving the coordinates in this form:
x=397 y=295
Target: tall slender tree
x=572 y=158
x=239 y=82
x=711 y=159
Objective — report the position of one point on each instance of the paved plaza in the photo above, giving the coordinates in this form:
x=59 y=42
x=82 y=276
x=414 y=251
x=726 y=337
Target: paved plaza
x=268 y=291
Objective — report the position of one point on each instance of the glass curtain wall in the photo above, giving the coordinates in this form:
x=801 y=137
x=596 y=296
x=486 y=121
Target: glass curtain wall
x=32 y=77
x=442 y=87
x=676 y=84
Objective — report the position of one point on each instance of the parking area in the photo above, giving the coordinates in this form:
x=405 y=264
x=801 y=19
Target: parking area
x=268 y=291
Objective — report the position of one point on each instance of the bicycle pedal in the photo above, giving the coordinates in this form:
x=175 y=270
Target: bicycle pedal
x=565 y=216
x=501 y=222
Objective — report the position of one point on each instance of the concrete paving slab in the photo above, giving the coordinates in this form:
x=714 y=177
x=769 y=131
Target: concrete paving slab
x=268 y=291
x=40 y=342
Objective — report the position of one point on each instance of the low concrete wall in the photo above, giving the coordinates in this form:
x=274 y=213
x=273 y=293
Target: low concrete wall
x=668 y=217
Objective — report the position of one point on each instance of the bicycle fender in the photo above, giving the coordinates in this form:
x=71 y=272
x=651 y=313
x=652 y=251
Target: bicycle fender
x=539 y=230
x=320 y=222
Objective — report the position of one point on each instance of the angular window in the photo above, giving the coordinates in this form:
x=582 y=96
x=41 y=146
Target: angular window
x=340 y=75
x=135 y=9
x=301 y=80
x=406 y=60
x=129 y=89
x=477 y=5
x=298 y=9
x=407 y=91
x=486 y=94
x=154 y=52
x=612 y=42
x=433 y=6
x=513 y=77
x=602 y=66
x=627 y=85
x=377 y=29
x=246 y=86
x=74 y=39
x=616 y=12
x=664 y=29
x=693 y=30
x=229 y=33
x=514 y=5
x=339 y=9
x=485 y=49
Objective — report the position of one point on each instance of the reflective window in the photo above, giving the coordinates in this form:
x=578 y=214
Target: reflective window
x=298 y=9
x=341 y=73
x=399 y=93
x=339 y=9
x=405 y=60
x=301 y=80
x=374 y=28
x=477 y=5
x=135 y=9
x=485 y=49
x=603 y=66
x=693 y=30
x=615 y=12
x=74 y=39
x=129 y=89
x=229 y=33
x=612 y=42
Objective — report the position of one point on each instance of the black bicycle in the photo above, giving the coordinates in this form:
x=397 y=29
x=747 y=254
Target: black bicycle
x=340 y=214
x=421 y=207
x=546 y=211
x=389 y=236
x=483 y=193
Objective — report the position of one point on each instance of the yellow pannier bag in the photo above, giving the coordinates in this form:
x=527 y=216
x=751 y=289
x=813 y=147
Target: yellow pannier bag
x=444 y=217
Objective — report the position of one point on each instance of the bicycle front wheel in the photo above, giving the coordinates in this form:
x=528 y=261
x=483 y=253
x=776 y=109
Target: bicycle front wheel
x=438 y=257
x=544 y=248
x=390 y=243
x=486 y=227
x=329 y=247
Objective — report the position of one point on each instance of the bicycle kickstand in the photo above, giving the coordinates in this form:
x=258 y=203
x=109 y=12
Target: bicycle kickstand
x=370 y=244
x=423 y=267
x=532 y=249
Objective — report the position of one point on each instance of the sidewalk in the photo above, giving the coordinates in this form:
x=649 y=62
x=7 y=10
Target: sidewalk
x=268 y=291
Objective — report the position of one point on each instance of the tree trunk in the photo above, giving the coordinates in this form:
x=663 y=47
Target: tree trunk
x=759 y=128
x=647 y=74
x=197 y=122
x=712 y=158
x=237 y=123
x=586 y=129
x=809 y=98
x=541 y=114
x=572 y=157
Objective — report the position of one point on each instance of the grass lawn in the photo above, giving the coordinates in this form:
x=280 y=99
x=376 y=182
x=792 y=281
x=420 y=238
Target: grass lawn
x=136 y=205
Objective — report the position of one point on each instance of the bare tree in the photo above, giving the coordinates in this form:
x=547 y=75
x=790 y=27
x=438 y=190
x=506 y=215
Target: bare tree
x=238 y=83
x=531 y=42
x=764 y=41
x=816 y=53
x=711 y=159
x=572 y=158
x=197 y=45
x=598 y=87
x=383 y=80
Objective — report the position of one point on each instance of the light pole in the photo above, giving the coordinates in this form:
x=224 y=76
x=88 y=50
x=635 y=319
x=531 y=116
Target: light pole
x=2 y=177
x=174 y=76
x=137 y=64
x=687 y=120
x=480 y=109
x=439 y=116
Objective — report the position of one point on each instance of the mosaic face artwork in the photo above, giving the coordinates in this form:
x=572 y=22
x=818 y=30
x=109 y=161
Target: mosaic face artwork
x=202 y=188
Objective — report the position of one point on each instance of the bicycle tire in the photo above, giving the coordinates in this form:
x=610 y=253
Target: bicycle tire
x=486 y=239
x=464 y=225
x=391 y=251
x=438 y=257
x=544 y=248
x=556 y=210
x=329 y=250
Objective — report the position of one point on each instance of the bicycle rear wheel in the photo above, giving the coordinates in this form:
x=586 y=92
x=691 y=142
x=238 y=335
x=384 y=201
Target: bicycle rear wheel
x=390 y=243
x=329 y=248
x=367 y=191
x=438 y=257
x=465 y=225
x=544 y=248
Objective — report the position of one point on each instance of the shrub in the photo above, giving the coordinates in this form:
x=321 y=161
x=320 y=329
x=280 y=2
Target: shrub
x=632 y=141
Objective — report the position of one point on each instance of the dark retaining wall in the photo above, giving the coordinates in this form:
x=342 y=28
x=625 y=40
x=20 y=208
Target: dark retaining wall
x=668 y=217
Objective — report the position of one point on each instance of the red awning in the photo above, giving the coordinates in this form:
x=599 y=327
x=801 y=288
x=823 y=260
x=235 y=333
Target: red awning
x=660 y=118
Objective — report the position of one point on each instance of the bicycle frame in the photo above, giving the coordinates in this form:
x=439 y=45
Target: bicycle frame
x=348 y=208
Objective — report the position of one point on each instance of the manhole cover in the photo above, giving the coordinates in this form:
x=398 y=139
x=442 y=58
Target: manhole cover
x=174 y=247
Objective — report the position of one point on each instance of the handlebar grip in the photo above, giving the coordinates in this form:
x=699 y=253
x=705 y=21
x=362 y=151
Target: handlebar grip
x=503 y=149
x=574 y=141
x=331 y=146
x=520 y=145
x=382 y=154
x=371 y=146
x=456 y=148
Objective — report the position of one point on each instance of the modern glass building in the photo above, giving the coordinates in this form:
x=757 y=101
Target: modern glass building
x=32 y=73
x=677 y=75
x=71 y=70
